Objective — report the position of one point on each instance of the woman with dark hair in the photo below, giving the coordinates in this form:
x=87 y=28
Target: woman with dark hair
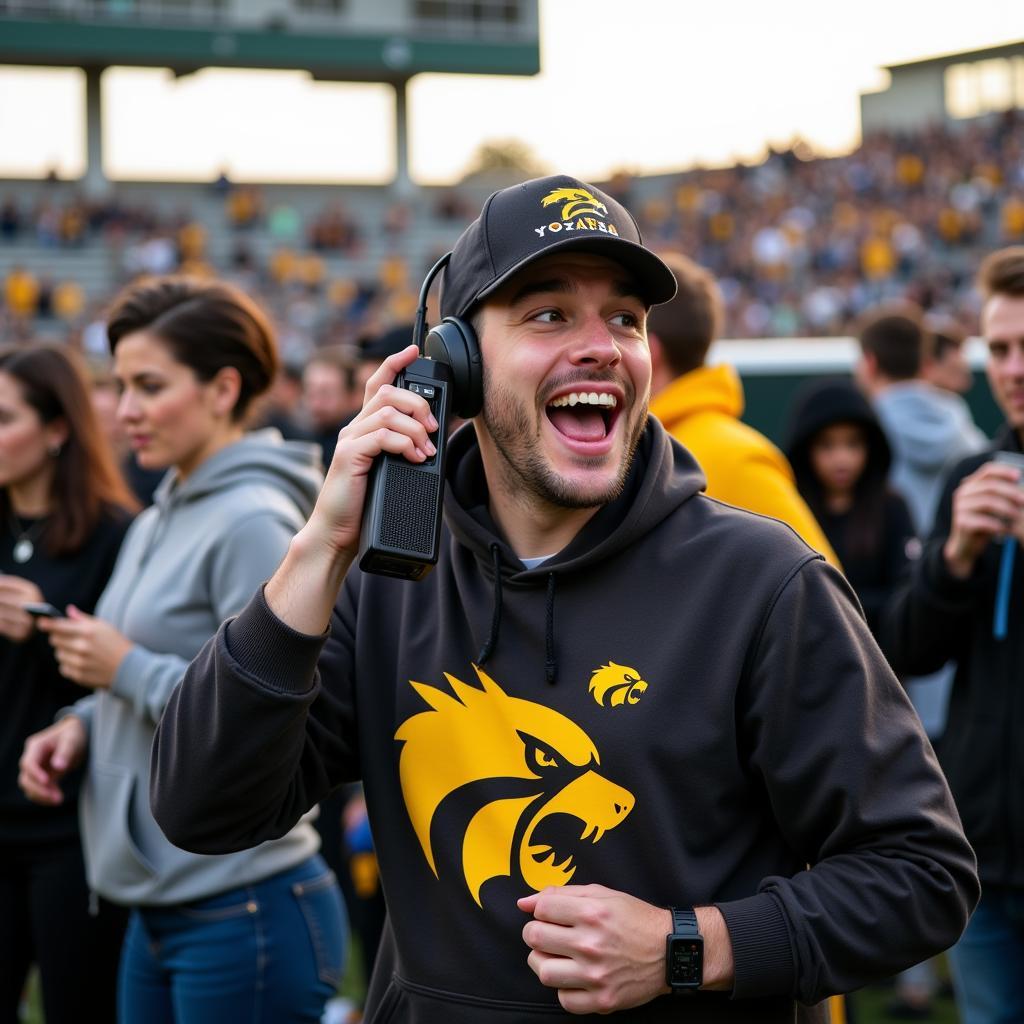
x=840 y=457
x=256 y=935
x=63 y=514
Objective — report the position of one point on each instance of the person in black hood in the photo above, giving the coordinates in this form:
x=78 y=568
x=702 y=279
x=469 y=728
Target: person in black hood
x=611 y=697
x=840 y=457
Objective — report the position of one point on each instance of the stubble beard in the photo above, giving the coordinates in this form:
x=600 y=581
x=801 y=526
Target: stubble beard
x=515 y=431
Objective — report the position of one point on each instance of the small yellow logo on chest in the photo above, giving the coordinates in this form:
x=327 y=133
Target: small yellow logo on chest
x=614 y=685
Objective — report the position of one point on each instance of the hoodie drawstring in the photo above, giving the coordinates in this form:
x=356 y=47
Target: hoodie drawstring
x=491 y=642
x=550 y=663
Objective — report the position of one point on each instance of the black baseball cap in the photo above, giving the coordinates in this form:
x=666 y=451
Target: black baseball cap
x=524 y=222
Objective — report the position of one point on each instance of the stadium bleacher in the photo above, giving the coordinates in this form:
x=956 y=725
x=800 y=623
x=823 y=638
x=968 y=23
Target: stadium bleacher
x=800 y=245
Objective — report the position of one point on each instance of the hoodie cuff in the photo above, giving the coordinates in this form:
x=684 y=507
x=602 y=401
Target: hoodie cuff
x=270 y=651
x=761 y=949
x=128 y=679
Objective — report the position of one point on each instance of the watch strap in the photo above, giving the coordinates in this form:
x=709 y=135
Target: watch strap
x=684 y=952
x=684 y=922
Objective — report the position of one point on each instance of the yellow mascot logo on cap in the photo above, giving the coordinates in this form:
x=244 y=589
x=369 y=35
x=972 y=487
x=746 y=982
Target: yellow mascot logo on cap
x=577 y=202
x=581 y=211
x=507 y=776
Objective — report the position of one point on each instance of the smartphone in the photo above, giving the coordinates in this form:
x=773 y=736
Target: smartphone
x=1012 y=459
x=43 y=610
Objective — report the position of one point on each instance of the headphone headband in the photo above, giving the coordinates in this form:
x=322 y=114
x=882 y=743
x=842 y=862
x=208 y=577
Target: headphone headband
x=420 y=326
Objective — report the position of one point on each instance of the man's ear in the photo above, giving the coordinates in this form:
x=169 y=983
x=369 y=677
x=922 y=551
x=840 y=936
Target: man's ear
x=661 y=372
x=865 y=371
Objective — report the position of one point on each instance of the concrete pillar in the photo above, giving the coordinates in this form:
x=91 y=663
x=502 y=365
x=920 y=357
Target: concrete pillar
x=402 y=185
x=94 y=181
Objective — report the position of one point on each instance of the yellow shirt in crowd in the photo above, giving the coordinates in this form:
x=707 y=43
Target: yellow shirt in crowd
x=702 y=409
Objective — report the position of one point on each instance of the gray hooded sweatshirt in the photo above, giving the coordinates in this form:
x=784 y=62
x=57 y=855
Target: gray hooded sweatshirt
x=188 y=562
x=929 y=429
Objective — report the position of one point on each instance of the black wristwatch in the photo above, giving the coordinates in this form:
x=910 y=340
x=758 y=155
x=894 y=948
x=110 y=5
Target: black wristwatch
x=684 y=952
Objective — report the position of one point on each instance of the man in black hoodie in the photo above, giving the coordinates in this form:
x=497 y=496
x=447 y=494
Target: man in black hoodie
x=965 y=602
x=609 y=680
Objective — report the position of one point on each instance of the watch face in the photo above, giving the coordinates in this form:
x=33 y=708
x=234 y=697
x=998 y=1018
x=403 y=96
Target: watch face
x=686 y=962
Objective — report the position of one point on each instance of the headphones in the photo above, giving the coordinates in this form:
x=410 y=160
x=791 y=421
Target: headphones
x=454 y=343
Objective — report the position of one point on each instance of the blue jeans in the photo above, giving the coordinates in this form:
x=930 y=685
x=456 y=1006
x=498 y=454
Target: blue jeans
x=268 y=953
x=988 y=961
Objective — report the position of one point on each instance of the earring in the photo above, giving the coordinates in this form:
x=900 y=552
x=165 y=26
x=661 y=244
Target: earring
x=54 y=451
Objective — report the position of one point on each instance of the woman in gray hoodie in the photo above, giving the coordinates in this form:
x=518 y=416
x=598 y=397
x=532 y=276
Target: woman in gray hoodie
x=255 y=935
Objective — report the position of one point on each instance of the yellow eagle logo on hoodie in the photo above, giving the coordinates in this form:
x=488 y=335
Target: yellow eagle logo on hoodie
x=523 y=763
x=618 y=684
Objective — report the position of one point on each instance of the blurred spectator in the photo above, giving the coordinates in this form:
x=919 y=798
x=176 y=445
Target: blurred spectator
x=330 y=395
x=701 y=407
x=396 y=220
x=334 y=230
x=21 y=292
x=964 y=601
x=282 y=407
x=841 y=459
x=284 y=224
x=44 y=297
x=68 y=300
x=155 y=254
x=10 y=219
x=261 y=928
x=222 y=183
x=244 y=206
x=927 y=428
x=63 y=514
x=106 y=395
x=947 y=367
x=450 y=206
x=191 y=242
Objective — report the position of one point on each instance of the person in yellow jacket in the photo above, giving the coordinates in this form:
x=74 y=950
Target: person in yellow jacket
x=701 y=407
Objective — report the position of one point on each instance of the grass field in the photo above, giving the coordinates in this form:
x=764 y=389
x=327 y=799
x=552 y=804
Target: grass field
x=868 y=1007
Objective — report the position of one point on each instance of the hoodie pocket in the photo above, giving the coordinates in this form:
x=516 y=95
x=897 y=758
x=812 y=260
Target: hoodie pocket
x=412 y=1003
x=115 y=861
x=386 y=1010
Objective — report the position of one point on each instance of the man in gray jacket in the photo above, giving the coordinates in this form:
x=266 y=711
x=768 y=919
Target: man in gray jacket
x=927 y=427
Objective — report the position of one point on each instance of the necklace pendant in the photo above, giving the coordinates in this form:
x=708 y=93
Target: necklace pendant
x=23 y=551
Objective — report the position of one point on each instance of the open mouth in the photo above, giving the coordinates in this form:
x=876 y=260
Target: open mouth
x=586 y=417
x=556 y=840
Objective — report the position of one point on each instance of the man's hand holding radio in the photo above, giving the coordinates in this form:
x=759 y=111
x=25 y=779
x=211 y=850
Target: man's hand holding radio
x=305 y=587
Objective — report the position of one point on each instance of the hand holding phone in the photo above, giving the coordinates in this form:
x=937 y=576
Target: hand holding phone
x=42 y=610
x=16 y=624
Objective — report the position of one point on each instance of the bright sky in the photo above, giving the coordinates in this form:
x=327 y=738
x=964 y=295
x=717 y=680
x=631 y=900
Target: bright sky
x=644 y=85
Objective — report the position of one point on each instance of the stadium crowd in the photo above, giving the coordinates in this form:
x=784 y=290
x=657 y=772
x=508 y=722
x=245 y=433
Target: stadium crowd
x=801 y=245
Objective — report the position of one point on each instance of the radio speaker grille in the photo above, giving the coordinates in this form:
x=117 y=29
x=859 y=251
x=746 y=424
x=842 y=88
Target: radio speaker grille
x=409 y=509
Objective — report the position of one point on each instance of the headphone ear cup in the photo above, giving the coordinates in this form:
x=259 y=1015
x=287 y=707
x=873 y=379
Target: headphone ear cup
x=453 y=341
